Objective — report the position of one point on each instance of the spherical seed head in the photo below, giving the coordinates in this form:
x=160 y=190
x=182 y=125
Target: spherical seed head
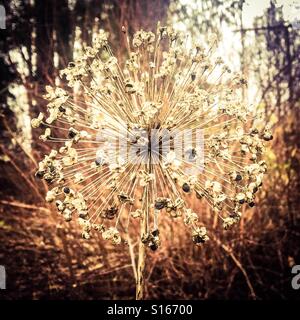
x=170 y=89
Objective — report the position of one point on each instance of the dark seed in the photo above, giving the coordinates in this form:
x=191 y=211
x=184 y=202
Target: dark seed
x=241 y=201
x=66 y=190
x=49 y=179
x=62 y=109
x=40 y=174
x=192 y=154
x=52 y=169
x=268 y=137
x=255 y=189
x=153 y=246
x=159 y=205
x=238 y=177
x=111 y=212
x=197 y=239
x=186 y=187
x=122 y=197
x=155 y=233
x=145 y=238
x=72 y=134
x=251 y=204
x=99 y=162
x=83 y=214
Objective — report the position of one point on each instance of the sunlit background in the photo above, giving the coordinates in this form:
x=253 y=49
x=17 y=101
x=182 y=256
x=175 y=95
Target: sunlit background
x=44 y=257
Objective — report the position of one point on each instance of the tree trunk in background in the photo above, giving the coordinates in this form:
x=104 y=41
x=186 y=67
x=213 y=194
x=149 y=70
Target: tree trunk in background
x=63 y=31
x=44 y=40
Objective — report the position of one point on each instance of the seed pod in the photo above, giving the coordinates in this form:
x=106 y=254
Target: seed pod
x=238 y=177
x=72 y=133
x=110 y=213
x=123 y=197
x=129 y=88
x=160 y=203
x=240 y=197
x=186 y=187
x=155 y=232
x=59 y=205
x=98 y=227
x=52 y=169
x=136 y=214
x=197 y=239
x=48 y=178
x=98 y=162
x=146 y=238
x=267 y=137
x=66 y=190
x=40 y=174
x=254 y=131
x=62 y=109
x=194 y=152
x=85 y=235
x=153 y=246
x=199 y=235
x=83 y=214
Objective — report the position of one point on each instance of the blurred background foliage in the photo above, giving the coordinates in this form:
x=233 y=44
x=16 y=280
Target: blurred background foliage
x=45 y=257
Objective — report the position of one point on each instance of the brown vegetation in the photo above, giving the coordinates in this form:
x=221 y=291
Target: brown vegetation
x=45 y=257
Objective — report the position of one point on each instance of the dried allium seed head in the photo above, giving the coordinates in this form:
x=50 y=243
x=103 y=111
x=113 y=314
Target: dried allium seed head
x=116 y=156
